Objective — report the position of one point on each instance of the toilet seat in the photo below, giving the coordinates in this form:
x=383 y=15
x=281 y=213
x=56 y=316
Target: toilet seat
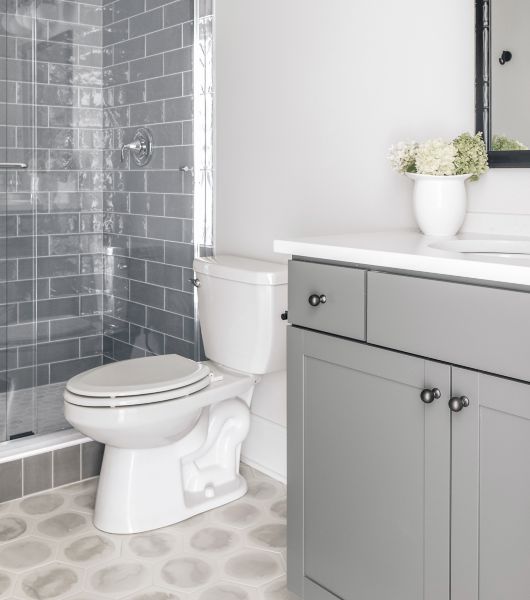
x=138 y=381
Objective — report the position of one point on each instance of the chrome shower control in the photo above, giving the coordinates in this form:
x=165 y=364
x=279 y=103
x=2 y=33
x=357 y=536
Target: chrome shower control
x=141 y=148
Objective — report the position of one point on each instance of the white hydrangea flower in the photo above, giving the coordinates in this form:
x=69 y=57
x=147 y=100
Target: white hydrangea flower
x=402 y=156
x=436 y=157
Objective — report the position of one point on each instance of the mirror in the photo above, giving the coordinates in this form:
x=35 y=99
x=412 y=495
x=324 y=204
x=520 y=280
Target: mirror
x=502 y=80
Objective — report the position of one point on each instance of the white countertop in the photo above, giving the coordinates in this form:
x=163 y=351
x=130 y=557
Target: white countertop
x=412 y=251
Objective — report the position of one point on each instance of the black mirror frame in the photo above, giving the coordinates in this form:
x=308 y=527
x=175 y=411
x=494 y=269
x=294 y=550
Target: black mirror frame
x=511 y=158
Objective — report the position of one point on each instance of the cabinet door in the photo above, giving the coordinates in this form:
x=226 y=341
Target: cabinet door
x=369 y=472
x=490 y=550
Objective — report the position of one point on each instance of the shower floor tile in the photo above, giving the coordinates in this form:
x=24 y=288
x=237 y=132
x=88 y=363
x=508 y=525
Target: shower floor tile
x=50 y=550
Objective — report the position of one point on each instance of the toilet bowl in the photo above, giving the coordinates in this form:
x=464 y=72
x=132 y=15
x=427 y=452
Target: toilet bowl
x=173 y=427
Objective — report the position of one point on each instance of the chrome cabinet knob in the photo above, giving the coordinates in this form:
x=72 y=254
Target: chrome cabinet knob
x=316 y=299
x=427 y=396
x=458 y=403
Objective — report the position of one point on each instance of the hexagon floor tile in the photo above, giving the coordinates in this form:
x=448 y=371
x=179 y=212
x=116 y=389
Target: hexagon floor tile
x=49 y=550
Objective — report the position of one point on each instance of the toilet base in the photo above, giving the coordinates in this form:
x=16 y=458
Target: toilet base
x=148 y=488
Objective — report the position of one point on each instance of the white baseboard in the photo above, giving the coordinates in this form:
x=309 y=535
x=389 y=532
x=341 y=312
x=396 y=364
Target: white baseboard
x=265 y=448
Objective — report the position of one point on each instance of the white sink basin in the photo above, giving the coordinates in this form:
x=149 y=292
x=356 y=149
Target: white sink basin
x=494 y=247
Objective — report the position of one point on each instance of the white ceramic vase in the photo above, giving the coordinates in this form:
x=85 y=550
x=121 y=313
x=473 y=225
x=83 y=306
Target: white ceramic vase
x=440 y=203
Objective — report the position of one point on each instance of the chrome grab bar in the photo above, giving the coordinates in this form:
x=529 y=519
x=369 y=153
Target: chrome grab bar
x=13 y=165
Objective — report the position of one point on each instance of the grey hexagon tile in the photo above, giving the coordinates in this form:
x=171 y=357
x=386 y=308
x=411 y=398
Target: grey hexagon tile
x=4 y=506
x=186 y=573
x=239 y=514
x=265 y=477
x=226 y=590
x=214 y=540
x=253 y=567
x=277 y=590
x=81 y=487
x=279 y=509
x=155 y=594
x=84 y=502
x=41 y=504
x=85 y=596
x=89 y=549
x=263 y=490
x=6 y=584
x=12 y=527
x=155 y=545
x=247 y=472
x=54 y=581
x=119 y=578
x=193 y=523
x=63 y=524
x=25 y=554
x=271 y=536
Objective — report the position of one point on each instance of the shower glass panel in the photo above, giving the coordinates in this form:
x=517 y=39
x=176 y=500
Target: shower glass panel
x=96 y=252
x=52 y=213
x=3 y=229
x=20 y=373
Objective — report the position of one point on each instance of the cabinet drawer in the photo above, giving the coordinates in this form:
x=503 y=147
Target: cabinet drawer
x=483 y=328
x=343 y=311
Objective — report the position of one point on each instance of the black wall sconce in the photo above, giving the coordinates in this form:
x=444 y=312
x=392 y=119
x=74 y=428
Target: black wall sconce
x=506 y=56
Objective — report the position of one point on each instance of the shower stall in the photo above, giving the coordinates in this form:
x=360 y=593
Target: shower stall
x=96 y=250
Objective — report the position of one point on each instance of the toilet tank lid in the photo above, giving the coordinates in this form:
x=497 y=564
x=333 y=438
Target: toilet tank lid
x=239 y=268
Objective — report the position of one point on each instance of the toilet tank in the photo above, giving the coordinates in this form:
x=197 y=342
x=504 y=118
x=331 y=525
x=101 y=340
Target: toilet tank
x=240 y=305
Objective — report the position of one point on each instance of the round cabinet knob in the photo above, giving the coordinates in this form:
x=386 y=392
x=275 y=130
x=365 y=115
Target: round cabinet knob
x=429 y=396
x=457 y=404
x=316 y=299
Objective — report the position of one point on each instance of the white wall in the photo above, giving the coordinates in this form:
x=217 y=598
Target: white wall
x=310 y=95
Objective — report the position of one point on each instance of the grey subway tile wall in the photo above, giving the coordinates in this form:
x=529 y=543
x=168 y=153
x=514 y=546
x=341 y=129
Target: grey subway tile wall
x=148 y=211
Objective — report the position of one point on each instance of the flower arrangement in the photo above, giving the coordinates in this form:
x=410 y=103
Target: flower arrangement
x=504 y=143
x=465 y=155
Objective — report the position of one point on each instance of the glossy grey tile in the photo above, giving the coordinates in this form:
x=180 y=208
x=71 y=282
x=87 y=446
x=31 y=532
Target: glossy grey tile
x=37 y=473
x=178 y=12
x=91 y=458
x=11 y=477
x=66 y=465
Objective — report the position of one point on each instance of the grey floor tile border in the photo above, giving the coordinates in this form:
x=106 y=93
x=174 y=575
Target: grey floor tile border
x=49 y=469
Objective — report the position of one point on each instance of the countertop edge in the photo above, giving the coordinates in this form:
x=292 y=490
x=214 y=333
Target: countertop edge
x=438 y=265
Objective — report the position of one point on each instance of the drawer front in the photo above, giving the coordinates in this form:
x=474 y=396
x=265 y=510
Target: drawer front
x=482 y=328
x=343 y=312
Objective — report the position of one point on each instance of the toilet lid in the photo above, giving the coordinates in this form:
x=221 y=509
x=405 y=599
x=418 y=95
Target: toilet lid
x=138 y=376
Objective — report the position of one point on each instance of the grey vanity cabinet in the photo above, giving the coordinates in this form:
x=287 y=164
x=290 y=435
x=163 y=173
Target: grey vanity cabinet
x=490 y=500
x=369 y=468
x=391 y=497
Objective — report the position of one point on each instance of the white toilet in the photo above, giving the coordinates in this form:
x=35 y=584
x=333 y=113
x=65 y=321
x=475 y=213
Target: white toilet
x=172 y=427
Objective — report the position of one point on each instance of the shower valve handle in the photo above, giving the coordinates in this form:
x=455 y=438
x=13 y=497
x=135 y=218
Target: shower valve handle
x=135 y=146
x=141 y=148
